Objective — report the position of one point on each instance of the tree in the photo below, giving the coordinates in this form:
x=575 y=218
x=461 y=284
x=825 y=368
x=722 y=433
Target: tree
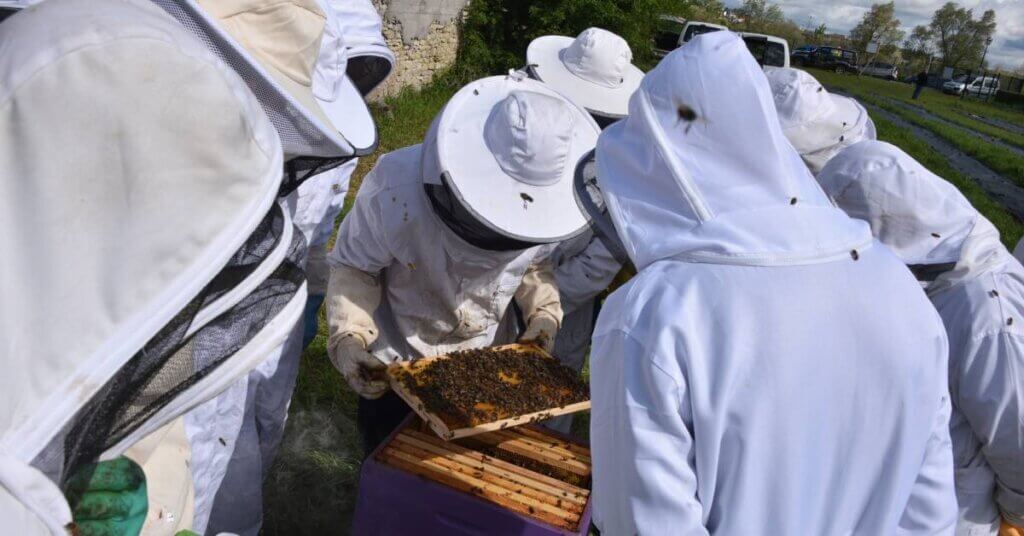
x=818 y=36
x=959 y=39
x=880 y=25
x=760 y=16
x=919 y=42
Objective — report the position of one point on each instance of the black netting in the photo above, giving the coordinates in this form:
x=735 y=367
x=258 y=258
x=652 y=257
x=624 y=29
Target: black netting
x=366 y=72
x=300 y=169
x=174 y=360
x=461 y=222
x=7 y=12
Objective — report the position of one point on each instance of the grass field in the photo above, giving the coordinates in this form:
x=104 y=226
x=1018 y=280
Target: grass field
x=312 y=488
x=1008 y=163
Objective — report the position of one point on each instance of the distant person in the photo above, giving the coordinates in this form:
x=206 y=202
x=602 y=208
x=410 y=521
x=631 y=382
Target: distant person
x=978 y=289
x=819 y=124
x=771 y=369
x=919 y=83
x=443 y=235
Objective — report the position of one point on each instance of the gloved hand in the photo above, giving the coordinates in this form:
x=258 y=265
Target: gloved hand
x=1006 y=529
x=363 y=372
x=541 y=331
x=108 y=498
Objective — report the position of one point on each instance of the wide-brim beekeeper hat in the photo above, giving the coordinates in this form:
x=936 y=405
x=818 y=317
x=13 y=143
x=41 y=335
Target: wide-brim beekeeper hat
x=277 y=47
x=813 y=119
x=595 y=69
x=370 y=60
x=146 y=265
x=507 y=149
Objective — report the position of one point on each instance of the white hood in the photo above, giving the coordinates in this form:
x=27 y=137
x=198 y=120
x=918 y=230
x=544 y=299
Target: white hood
x=725 y=187
x=819 y=124
x=137 y=165
x=921 y=217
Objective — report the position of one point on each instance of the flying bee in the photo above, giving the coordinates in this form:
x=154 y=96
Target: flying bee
x=686 y=114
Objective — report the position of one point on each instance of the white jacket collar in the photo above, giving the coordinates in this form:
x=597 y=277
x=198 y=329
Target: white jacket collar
x=701 y=171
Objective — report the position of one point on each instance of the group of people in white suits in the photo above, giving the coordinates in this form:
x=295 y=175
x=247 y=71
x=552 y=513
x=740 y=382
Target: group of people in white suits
x=821 y=336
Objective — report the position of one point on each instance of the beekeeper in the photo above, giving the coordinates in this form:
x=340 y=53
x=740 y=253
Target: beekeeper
x=141 y=273
x=978 y=289
x=727 y=393
x=444 y=234
x=819 y=124
x=595 y=71
x=369 y=62
x=293 y=57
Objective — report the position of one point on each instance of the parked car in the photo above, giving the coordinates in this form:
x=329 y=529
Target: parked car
x=980 y=86
x=674 y=31
x=983 y=86
x=768 y=50
x=881 y=70
x=956 y=85
x=835 y=59
x=801 y=53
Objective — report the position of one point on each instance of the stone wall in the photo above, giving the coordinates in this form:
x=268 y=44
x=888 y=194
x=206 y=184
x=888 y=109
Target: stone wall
x=424 y=37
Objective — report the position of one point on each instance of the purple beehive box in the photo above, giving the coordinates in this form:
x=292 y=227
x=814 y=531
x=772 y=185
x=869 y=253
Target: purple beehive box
x=393 y=502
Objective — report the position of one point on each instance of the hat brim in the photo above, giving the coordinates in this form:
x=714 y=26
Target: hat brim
x=545 y=62
x=346 y=123
x=830 y=129
x=537 y=214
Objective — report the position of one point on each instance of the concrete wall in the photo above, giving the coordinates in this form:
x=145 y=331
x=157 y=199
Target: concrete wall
x=424 y=36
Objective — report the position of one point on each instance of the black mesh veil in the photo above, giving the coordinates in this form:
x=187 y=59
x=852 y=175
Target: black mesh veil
x=180 y=355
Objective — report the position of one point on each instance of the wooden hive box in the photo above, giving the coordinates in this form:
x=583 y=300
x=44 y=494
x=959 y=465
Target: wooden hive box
x=526 y=481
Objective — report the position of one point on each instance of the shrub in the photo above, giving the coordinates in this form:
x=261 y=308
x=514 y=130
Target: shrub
x=495 y=33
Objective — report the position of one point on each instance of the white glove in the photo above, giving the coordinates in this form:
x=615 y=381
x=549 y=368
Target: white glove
x=541 y=332
x=363 y=372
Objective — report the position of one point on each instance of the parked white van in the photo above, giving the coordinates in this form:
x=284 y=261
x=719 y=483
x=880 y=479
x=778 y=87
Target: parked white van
x=674 y=31
x=980 y=86
x=768 y=50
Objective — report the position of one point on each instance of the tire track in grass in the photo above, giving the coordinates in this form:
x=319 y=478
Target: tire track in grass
x=932 y=117
x=995 y=122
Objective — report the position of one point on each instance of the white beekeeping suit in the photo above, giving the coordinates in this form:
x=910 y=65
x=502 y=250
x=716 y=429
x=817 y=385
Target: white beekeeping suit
x=1018 y=250
x=819 y=124
x=770 y=368
x=293 y=56
x=370 y=61
x=444 y=234
x=146 y=267
x=978 y=289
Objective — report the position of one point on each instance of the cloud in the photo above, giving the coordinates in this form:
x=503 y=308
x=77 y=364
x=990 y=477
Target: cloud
x=1007 y=44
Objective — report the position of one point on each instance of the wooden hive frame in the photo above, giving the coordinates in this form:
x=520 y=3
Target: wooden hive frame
x=397 y=370
x=518 y=489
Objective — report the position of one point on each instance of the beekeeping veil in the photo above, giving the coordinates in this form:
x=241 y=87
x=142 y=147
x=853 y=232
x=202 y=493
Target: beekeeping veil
x=925 y=220
x=146 y=265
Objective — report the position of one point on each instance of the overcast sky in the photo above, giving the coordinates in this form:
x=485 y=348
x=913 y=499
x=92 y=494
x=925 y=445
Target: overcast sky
x=1007 y=46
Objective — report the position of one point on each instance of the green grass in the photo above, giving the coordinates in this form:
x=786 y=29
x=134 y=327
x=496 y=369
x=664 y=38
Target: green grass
x=948 y=107
x=999 y=159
